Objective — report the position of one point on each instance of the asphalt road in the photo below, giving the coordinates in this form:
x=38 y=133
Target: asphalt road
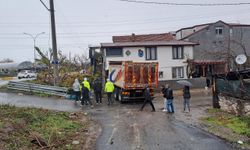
x=124 y=127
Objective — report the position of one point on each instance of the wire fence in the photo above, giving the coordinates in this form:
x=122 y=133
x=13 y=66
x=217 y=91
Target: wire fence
x=233 y=88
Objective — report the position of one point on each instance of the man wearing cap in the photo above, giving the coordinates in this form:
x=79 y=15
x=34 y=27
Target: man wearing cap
x=109 y=89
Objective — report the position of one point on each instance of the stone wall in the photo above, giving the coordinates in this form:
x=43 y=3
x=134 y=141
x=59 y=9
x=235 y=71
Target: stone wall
x=234 y=105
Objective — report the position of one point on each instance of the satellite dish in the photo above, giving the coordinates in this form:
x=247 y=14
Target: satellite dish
x=241 y=59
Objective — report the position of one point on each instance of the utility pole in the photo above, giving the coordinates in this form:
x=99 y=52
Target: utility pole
x=54 y=44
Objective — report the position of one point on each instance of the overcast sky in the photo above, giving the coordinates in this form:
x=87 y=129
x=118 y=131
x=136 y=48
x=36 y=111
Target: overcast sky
x=83 y=22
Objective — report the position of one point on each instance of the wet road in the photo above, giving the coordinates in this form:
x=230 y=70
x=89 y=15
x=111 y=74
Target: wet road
x=38 y=102
x=126 y=128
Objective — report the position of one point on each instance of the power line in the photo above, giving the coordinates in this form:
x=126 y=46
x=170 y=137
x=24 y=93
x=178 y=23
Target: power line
x=185 y=4
x=125 y=22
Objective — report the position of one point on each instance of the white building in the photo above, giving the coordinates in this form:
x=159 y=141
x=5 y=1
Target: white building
x=171 y=54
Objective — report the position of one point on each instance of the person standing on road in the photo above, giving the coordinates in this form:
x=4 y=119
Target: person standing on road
x=165 y=100
x=168 y=93
x=85 y=92
x=148 y=99
x=97 y=86
x=109 y=89
x=76 y=90
x=186 y=98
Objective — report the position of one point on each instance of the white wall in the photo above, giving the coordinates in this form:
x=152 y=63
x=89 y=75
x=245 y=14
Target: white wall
x=132 y=57
x=166 y=62
x=164 y=58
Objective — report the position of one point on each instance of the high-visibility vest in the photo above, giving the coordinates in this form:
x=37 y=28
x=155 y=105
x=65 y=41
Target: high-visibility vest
x=109 y=87
x=86 y=84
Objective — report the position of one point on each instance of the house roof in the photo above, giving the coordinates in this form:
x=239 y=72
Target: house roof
x=200 y=25
x=208 y=24
x=139 y=44
x=143 y=38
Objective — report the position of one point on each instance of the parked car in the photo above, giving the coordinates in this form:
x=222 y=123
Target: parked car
x=26 y=74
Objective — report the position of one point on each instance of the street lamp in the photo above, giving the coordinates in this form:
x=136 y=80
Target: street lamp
x=34 y=42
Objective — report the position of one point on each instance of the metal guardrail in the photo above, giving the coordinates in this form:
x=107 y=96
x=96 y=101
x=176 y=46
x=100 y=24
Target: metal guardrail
x=30 y=87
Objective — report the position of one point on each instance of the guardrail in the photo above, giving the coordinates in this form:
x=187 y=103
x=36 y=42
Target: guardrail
x=30 y=87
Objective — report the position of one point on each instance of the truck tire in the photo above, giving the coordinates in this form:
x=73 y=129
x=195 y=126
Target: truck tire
x=120 y=97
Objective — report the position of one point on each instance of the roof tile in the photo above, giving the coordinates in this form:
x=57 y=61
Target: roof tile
x=143 y=38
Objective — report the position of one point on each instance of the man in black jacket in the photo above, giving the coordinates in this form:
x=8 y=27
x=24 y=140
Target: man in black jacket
x=168 y=93
x=148 y=99
x=97 y=86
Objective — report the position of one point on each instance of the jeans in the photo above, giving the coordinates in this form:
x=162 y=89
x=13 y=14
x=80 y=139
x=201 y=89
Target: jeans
x=170 y=106
x=186 y=103
x=165 y=104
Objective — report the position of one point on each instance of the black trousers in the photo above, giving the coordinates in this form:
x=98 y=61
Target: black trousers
x=110 y=101
x=98 y=97
x=78 y=95
x=150 y=102
x=86 y=100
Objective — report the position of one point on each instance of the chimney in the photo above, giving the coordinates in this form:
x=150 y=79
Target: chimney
x=133 y=37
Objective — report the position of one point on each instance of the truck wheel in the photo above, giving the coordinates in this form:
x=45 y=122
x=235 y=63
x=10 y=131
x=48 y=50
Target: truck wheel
x=120 y=97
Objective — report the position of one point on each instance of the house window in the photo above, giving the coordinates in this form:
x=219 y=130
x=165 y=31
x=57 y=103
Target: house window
x=178 y=52
x=151 y=53
x=114 y=51
x=218 y=30
x=178 y=72
x=160 y=74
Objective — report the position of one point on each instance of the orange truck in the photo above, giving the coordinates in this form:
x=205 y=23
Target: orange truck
x=131 y=78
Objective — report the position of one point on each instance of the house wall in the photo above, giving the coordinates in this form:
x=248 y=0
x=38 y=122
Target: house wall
x=216 y=47
x=164 y=58
x=211 y=46
x=185 y=32
x=240 y=37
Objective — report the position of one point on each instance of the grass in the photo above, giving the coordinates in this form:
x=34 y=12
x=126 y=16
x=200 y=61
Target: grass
x=229 y=127
x=19 y=125
x=240 y=125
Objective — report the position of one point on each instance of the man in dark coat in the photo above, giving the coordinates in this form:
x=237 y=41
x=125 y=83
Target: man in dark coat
x=168 y=93
x=148 y=99
x=97 y=86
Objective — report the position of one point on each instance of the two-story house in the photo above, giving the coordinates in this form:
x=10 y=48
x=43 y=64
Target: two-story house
x=219 y=44
x=171 y=54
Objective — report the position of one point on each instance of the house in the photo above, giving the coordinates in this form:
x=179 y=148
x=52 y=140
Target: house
x=171 y=54
x=219 y=44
